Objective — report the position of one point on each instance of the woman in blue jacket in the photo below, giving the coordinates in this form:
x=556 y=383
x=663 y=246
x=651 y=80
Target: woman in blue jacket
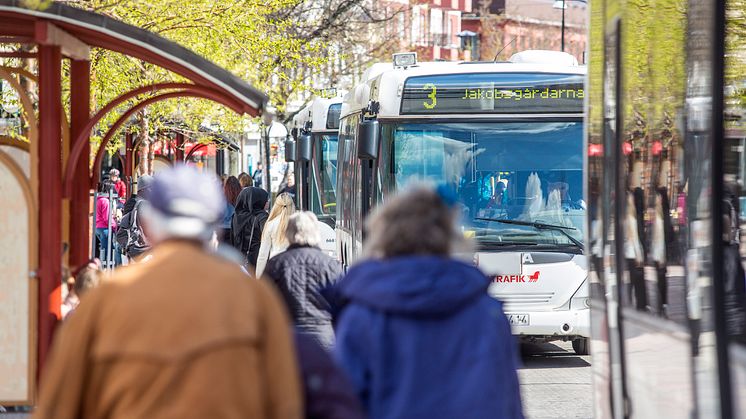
x=417 y=333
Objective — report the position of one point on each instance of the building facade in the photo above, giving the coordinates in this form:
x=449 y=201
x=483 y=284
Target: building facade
x=504 y=27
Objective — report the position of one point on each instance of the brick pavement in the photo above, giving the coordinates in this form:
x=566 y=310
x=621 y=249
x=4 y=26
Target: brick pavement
x=555 y=383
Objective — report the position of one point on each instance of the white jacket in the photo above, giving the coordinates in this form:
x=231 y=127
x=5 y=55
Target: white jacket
x=269 y=248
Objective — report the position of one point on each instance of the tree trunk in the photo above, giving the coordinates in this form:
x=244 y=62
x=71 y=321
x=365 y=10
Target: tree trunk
x=145 y=150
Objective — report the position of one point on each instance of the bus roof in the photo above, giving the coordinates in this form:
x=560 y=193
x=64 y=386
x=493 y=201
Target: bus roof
x=384 y=83
x=317 y=113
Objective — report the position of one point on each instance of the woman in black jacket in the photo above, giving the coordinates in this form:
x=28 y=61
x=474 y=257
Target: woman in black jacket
x=300 y=273
x=248 y=223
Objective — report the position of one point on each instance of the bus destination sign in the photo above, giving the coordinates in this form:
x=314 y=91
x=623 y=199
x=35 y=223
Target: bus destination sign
x=493 y=93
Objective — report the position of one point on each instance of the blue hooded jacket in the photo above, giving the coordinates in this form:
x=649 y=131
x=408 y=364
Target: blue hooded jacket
x=420 y=338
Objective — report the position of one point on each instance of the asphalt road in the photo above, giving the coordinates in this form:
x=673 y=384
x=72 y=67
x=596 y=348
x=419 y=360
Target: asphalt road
x=555 y=383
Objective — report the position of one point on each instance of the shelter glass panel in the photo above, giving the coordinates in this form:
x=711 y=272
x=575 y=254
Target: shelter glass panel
x=734 y=198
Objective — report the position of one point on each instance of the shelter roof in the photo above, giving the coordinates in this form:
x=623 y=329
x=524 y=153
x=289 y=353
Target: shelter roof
x=18 y=23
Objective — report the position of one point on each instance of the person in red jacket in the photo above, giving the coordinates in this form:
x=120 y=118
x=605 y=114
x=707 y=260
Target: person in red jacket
x=119 y=184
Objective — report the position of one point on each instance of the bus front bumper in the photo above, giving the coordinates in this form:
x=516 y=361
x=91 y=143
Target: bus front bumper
x=551 y=325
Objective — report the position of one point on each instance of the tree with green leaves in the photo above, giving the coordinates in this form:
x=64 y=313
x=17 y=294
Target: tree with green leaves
x=277 y=46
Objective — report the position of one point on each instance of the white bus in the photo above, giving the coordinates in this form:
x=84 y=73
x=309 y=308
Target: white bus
x=508 y=138
x=314 y=154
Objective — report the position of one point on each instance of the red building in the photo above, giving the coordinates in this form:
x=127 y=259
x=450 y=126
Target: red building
x=517 y=25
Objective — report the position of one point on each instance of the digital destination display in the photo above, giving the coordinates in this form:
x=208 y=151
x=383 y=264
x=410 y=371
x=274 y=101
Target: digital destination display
x=493 y=93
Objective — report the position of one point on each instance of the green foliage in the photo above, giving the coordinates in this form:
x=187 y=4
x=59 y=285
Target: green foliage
x=735 y=54
x=243 y=36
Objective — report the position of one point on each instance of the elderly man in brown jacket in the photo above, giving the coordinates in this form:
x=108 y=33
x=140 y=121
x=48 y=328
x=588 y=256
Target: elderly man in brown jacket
x=185 y=335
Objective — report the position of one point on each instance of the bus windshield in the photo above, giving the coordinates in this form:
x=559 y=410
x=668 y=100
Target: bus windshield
x=324 y=199
x=530 y=173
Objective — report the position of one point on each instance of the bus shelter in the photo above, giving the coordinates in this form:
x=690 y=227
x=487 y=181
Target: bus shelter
x=45 y=207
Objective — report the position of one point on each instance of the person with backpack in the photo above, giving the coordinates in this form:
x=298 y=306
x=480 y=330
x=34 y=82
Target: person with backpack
x=130 y=236
x=248 y=223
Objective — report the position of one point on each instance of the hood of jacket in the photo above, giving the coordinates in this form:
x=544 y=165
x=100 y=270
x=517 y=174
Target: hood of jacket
x=415 y=285
x=251 y=199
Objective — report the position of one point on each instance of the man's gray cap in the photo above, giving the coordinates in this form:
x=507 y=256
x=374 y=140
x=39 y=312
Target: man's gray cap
x=188 y=201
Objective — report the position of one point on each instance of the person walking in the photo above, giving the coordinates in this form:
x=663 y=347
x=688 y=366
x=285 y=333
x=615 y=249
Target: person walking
x=231 y=189
x=86 y=278
x=106 y=224
x=301 y=272
x=328 y=393
x=258 y=176
x=248 y=223
x=186 y=335
x=274 y=241
x=130 y=236
x=290 y=186
x=119 y=185
x=245 y=180
x=416 y=331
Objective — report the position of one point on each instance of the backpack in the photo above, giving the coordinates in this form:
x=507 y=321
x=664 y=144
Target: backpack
x=129 y=234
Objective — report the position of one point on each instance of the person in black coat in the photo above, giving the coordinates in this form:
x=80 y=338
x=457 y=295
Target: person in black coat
x=328 y=392
x=300 y=273
x=248 y=223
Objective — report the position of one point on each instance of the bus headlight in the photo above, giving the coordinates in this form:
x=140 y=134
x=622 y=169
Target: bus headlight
x=581 y=300
x=578 y=303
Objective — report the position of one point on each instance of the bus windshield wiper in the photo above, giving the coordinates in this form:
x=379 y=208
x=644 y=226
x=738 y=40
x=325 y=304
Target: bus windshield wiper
x=539 y=226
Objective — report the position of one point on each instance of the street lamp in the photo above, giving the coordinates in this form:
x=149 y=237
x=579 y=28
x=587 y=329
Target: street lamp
x=561 y=4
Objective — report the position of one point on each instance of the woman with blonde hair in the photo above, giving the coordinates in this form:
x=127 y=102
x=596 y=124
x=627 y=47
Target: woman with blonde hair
x=274 y=241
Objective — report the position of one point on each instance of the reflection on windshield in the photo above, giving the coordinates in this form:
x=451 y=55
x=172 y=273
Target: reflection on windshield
x=525 y=171
x=324 y=199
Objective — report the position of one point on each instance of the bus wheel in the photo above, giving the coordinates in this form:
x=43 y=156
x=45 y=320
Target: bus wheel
x=581 y=346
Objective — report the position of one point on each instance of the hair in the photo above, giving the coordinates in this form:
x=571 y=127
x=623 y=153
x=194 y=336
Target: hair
x=414 y=222
x=283 y=208
x=245 y=180
x=105 y=186
x=232 y=188
x=303 y=230
x=88 y=278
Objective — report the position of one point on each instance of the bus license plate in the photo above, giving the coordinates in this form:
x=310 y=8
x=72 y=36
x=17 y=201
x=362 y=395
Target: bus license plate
x=518 y=319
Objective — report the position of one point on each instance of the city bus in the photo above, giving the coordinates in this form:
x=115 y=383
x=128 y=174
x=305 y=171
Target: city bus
x=508 y=138
x=666 y=182
x=314 y=153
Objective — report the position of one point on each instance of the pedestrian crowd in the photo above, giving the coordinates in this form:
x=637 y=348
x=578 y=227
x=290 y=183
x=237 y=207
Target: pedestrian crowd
x=266 y=324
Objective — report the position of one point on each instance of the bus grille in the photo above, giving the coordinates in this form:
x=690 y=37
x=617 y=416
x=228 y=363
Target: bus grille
x=525 y=298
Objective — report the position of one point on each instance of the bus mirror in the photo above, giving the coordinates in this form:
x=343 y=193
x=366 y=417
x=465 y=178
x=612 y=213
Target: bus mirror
x=289 y=151
x=367 y=145
x=305 y=147
x=294 y=133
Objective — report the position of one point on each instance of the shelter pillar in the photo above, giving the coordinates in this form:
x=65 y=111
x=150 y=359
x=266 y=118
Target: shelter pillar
x=179 y=148
x=50 y=194
x=80 y=106
x=129 y=160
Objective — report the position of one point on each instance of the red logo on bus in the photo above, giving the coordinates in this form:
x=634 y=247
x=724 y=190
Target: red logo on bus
x=517 y=278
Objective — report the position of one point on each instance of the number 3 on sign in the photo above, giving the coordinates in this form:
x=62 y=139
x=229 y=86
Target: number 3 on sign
x=431 y=96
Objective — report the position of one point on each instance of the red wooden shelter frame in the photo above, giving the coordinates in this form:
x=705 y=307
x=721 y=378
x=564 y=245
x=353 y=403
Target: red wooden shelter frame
x=63 y=32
